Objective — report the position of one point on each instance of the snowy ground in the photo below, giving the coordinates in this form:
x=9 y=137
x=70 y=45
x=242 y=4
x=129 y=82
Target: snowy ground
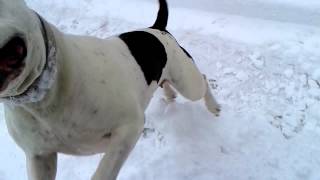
x=266 y=75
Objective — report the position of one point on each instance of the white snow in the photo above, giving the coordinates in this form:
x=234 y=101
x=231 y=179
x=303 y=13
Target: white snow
x=264 y=71
x=316 y=74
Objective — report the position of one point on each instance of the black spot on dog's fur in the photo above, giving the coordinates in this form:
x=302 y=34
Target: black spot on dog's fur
x=95 y=111
x=108 y=135
x=149 y=53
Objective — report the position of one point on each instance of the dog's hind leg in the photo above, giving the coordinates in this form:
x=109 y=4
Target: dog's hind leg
x=169 y=93
x=186 y=78
x=196 y=92
x=210 y=102
x=122 y=141
x=189 y=83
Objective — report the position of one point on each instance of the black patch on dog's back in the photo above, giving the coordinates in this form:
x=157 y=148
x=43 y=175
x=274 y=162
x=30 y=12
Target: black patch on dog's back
x=149 y=53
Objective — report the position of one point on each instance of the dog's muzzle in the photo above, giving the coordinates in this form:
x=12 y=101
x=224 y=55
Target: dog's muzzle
x=12 y=56
x=21 y=79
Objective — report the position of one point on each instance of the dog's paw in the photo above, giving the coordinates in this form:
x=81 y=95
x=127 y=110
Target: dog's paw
x=215 y=110
x=168 y=100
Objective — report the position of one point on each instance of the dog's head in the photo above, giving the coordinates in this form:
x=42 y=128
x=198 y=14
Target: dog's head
x=22 y=48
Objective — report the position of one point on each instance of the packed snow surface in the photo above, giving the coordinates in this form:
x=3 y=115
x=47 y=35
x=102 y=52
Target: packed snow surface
x=265 y=72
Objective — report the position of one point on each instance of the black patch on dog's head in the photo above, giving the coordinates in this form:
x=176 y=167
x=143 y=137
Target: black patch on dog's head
x=149 y=53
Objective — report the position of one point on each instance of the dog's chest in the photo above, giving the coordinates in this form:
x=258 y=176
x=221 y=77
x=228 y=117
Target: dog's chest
x=81 y=134
x=78 y=122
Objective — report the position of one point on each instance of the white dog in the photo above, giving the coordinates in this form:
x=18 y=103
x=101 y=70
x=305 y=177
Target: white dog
x=82 y=95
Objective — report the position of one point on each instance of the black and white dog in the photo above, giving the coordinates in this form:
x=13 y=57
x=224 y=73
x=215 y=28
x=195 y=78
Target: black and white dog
x=82 y=95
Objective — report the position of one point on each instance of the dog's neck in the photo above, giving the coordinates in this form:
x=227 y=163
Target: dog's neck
x=42 y=85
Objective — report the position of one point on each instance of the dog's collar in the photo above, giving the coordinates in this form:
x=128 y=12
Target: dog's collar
x=41 y=86
x=46 y=30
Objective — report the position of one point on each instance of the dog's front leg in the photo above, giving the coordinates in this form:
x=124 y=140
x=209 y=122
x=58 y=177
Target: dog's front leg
x=42 y=167
x=121 y=143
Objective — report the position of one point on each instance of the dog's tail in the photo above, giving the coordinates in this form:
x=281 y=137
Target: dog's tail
x=162 y=18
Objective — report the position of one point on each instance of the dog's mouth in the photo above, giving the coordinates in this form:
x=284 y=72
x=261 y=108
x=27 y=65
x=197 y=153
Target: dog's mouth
x=12 y=56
